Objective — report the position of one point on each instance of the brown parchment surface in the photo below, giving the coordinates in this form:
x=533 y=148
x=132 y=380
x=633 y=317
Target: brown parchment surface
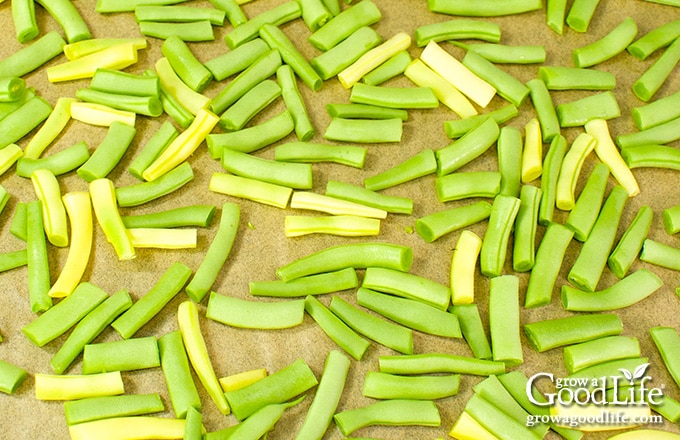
x=261 y=247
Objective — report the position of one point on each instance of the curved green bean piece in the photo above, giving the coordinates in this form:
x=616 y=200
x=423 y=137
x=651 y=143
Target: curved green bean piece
x=293 y=175
x=420 y=165
x=237 y=60
x=391 y=68
x=305 y=152
x=217 y=253
x=665 y=339
x=19 y=123
x=630 y=244
x=606 y=47
x=390 y=386
x=393 y=412
x=576 y=78
x=240 y=313
x=11 y=377
x=671 y=219
x=407 y=285
x=122 y=355
x=260 y=422
x=458 y=127
x=463 y=267
x=143 y=105
x=473 y=330
x=322 y=283
x=509 y=148
x=249 y=30
x=494 y=245
x=459 y=29
x=33 y=56
x=109 y=152
x=457 y=186
x=294 y=103
x=178 y=14
x=438 y=224
x=558 y=332
x=96 y=408
x=545 y=110
x=184 y=62
x=657 y=112
x=549 y=259
x=335 y=60
x=393 y=97
x=23 y=17
x=655 y=39
x=582 y=217
x=626 y=292
x=140 y=193
x=364 y=13
x=598 y=106
x=506 y=85
x=175 y=365
x=37 y=259
x=484 y=8
x=253 y=138
x=165 y=134
x=363 y=111
x=660 y=156
x=68 y=17
x=193 y=31
x=410 y=313
x=580 y=14
x=646 y=86
x=439 y=363
x=609 y=348
x=524 y=242
x=660 y=254
x=358 y=194
x=195 y=215
x=659 y=134
x=504 y=54
x=470 y=146
x=13 y=259
x=364 y=130
x=58 y=163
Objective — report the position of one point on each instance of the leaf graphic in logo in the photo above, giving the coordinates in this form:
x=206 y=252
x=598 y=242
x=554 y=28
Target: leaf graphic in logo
x=639 y=372
x=627 y=374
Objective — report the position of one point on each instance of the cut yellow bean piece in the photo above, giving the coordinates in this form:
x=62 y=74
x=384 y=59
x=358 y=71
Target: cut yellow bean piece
x=467 y=428
x=50 y=129
x=187 y=316
x=138 y=427
x=250 y=189
x=446 y=93
x=609 y=154
x=183 y=145
x=532 y=155
x=115 y=57
x=462 y=78
x=628 y=416
x=79 y=49
x=100 y=115
x=163 y=238
x=343 y=225
x=463 y=265
x=8 y=156
x=79 y=210
x=70 y=387
x=174 y=86
x=571 y=169
x=331 y=205
x=373 y=58
x=47 y=189
x=243 y=379
x=103 y=196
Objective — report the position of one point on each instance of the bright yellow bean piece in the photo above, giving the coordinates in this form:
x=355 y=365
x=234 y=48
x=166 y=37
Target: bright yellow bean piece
x=571 y=169
x=163 y=238
x=243 y=379
x=532 y=156
x=373 y=58
x=100 y=115
x=463 y=265
x=71 y=387
x=115 y=57
x=103 y=195
x=138 y=427
x=54 y=214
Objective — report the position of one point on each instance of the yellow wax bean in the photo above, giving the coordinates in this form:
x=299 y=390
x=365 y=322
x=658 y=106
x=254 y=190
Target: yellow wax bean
x=50 y=129
x=8 y=156
x=467 y=428
x=79 y=210
x=243 y=379
x=103 y=195
x=174 y=86
x=373 y=58
x=163 y=238
x=70 y=387
x=532 y=155
x=81 y=48
x=331 y=205
x=115 y=57
x=100 y=115
x=463 y=264
x=54 y=214
x=571 y=169
x=138 y=427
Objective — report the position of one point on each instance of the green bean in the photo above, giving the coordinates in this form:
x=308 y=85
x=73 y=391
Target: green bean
x=174 y=109
x=364 y=13
x=571 y=169
x=109 y=152
x=582 y=217
x=363 y=111
x=11 y=377
x=630 y=244
x=473 y=331
x=194 y=215
x=496 y=420
x=558 y=332
x=357 y=255
x=79 y=49
x=504 y=54
x=141 y=312
x=655 y=39
x=655 y=113
x=358 y=194
x=575 y=78
x=123 y=355
x=333 y=6
x=459 y=29
x=249 y=105
x=410 y=313
x=506 y=85
x=20 y=122
x=237 y=60
x=458 y=127
x=659 y=254
x=23 y=17
x=598 y=106
x=37 y=259
x=257 y=315
x=116 y=81
x=509 y=147
x=472 y=145
x=140 y=193
x=407 y=285
x=389 y=386
x=64 y=315
x=364 y=130
x=286 y=383
x=314 y=14
x=420 y=165
x=545 y=111
x=660 y=156
x=249 y=30
x=326 y=398
x=665 y=339
x=580 y=15
x=251 y=189
x=294 y=103
x=253 y=138
x=143 y=105
x=13 y=259
x=342 y=279
x=549 y=259
x=12 y=89
x=433 y=226
x=494 y=246
x=671 y=219
x=659 y=134
x=175 y=365
x=646 y=86
x=523 y=255
x=152 y=149
x=193 y=429
x=341 y=56
x=330 y=205
x=89 y=328
x=33 y=56
x=391 y=68
x=4 y=198
x=394 y=97
x=68 y=17
x=586 y=354
x=588 y=267
x=305 y=152
x=96 y=408
x=262 y=421
x=504 y=320
x=383 y=332
x=439 y=363
x=8 y=107
x=178 y=14
x=458 y=186
x=184 y=62
x=58 y=163
x=610 y=370
x=192 y=31
x=393 y=412
x=606 y=47
x=8 y=156
x=485 y=8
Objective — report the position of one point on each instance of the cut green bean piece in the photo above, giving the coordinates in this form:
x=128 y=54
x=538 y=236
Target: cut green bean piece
x=13 y=259
x=660 y=254
x=175 y=365
x=364 y=130
x=326 y=398
x=503 y=54
x=294 y=102
x=64 y=315
x=96 y=408
x=123 y=355
x=251 y=189
x=314 y=14
x=319 y=284
x=260 y=422
x=410 y=313
x=671 y=219
x=253 y=138
x=335 y=60
x=8 y=107
x=606 y=47
x=11 y=377
x=459 y=29
x=89 y=328
x=666 y=341
x=184 y=62
x=458 y=186
x=496 y=421
x=193 y=429
x=470 y=146
x=193 y=31
x=37 y=259
x=586 y=354
x=658 y=156
x=23 y=18
x=504 y=320
x=391 y=68
x=523 y=252
x=610 y=370
x=459 y=127
x=9 y=156
x=473 y=330
x=178 y=14
x=659 y=134
x=195 y=215
x=20 y=122
x=545 y=110
x=439 y=363
x=364 y=13
x=143 y=105
x=286 y=383
x=236 y=60
x=359 y=194
x=393 y=97
x=29 y=58
x=589 y=265
x=389 y=386
x=599 y=106
x=381 y=331
x=420 y=165
x=506 y=85
x=11 y=89
x=167 y=286
x=657 y=112
x=165 y=134
x=407 y=285
x=363 y=111
x=494 y=245
x=107 y=155
x=630 y=244
x=646 y=86
x=393 y=412
x=509 y=147
x=438 y=224
x=251 y=314
x=549 y=259
x=484 y=8
x=336 y=329
x=4 y=198
x=293 y=175
x=576 y=78
x=58 y=163
x=249 y=30
x=655 y=39
x=68 y=17
x=558 y=332
x=140 y=193
x=311 y=152
x=583 y=216
x=580 y=14
x=116 y=81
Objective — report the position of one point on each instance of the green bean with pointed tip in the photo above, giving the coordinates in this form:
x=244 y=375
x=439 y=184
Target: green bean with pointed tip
x=58 y=163
x=420 y=165
x=473 y=330
x=439 y=363
x=364 y=111
x=606 y=47
x=140 y=193
x=37 y=259
x=659 y=134
x=485 y=8
x=626 y=292
x=433 y=226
